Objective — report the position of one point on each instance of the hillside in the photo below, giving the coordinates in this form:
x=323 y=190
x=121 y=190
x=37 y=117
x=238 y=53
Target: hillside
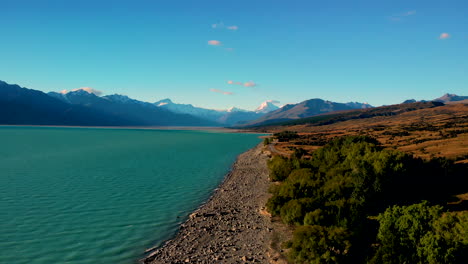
x=428 y=129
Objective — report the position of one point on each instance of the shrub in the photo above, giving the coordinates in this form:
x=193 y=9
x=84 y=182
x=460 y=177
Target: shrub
x=316 y=217
x=319 y=244
x=279 y=168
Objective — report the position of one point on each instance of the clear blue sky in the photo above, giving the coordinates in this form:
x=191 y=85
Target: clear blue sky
x=375 y=51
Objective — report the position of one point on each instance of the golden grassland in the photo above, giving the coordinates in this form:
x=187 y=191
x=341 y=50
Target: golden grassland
x=430 y=132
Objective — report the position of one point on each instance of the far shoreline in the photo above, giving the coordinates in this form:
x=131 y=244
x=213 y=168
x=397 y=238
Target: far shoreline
x=188 y=128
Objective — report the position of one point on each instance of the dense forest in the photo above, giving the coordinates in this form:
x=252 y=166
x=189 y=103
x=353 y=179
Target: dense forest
x=354 y=201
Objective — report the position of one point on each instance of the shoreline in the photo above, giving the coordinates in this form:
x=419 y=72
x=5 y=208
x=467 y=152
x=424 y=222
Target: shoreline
x=231 y=226
x=193 y=128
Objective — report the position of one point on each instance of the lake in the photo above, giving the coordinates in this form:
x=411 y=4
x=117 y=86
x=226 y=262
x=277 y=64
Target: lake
x=102 y=195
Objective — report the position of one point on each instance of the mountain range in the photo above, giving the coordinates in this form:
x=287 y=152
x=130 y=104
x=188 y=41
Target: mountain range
x=446 y=99
x=22 y=106
x=306 y=108
x=227 y=117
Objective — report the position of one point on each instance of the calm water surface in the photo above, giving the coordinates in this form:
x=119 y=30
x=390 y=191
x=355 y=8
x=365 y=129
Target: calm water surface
x=88 y=195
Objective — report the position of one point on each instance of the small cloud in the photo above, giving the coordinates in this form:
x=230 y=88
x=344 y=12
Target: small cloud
x=274 y=101
x=221 y=92
x=234 y=83
x=221 y=25
x=247 y=84
x=444 y=36
x=229 y=49
x=218 y=25
x=250 y=84
x=399 y=17
x=214 y=42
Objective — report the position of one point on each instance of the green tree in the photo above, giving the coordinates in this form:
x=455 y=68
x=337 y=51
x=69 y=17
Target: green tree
x=319 y=244
x=420 y=233
x=279 y=168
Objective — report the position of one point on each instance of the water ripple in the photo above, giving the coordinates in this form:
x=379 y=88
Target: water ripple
x=84 y=196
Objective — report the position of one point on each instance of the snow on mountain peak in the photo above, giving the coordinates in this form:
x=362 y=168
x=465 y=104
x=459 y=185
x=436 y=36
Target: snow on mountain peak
x=82 y=90
x=267 y=106
x=164 y=102
x=233 y=109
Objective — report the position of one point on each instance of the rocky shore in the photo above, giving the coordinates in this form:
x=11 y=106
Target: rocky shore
x=232 y=227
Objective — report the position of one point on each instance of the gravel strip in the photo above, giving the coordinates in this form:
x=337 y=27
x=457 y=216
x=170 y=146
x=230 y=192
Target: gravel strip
x=231 y=227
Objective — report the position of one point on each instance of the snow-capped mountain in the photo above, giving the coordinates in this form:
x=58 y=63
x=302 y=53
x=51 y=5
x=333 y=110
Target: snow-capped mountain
x=123 y=99
x=267 y=106
x=128 y=111
x=235 y=109
x=209 y=114
x=226 y=117
x=164 y=102
x=86 y=106
x=306 y=108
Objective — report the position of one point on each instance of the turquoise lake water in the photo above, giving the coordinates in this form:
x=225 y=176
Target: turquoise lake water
x=90 y=195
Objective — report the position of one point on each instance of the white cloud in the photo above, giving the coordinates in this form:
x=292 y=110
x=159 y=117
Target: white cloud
x=250 y=84
x=233 y=27
x=234 y=83
x=444 y=36
x=221 y=92
x=246 y=84
x=214 y=42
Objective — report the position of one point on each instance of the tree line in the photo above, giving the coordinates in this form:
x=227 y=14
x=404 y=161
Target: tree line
x=354 y=201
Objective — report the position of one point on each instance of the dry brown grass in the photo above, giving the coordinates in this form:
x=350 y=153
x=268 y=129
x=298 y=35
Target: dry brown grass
x=431 y=132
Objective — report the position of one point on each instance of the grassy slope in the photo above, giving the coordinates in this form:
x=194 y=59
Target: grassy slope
x=426 y=132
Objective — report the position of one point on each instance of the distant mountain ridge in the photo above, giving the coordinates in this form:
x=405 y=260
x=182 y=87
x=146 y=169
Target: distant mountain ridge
x=84 y=108
x=450 y=98
x=446 y=98
x=137 y=112
x=229 y=117
x=304 y=109
x=80 y=107
x=22 y=106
